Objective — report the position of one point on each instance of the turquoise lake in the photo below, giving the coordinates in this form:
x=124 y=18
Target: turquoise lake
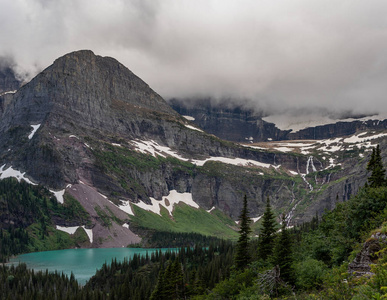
x=82 y=262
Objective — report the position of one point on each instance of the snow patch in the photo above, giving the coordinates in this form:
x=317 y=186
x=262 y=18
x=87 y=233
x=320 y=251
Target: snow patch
x=189 y=118
x=292 y=172
x=102 y=195
x=34 y=129
x=73 y=229
x=283 y=149
x=151 y=147
x=89 y=233
x=126 y=225
x=69 y=230
x=234 y=161
x=193 y=128
x=359 y=139
x=256 y=219
x=210 y=210
x=9 y=92
x=116 y=145
x=125 y=206
x=59 y=195
x=168 y=202
x=10 y=172
x=73 y=136
x=254 y=147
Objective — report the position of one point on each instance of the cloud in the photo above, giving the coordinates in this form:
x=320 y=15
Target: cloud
x=281 y=55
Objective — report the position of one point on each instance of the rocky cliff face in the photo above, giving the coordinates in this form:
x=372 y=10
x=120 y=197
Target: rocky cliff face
x=228 y=121
x=89 y=120
x=238 y=124
x=8 y=80
x=368 y=256
x=338 y=129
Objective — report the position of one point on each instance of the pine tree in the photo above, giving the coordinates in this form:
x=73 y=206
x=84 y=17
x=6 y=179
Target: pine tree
x=266 y=237
x=242 y=256
x=283 y=257
x=158 y=292
x=375 y=166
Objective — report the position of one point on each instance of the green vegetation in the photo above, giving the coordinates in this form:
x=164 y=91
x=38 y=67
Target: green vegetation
x=185 y=219
x=122 y=165
x=27 y=215
x=20 y=283
x=317 y=268
x=168 y=239
x=267 y=234
x=242 y=257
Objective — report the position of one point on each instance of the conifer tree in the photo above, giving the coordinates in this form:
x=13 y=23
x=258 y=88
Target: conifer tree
x=242 y=257
x=283 y=257
x=158 y=292
x=375 y=166
x=266 y=237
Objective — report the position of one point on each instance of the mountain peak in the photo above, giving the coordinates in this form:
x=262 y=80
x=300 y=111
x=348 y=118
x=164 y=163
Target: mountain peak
x=87 y=89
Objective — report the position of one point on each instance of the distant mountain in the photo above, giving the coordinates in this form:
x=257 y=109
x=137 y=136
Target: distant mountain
x=87 y=127
x=235 y=122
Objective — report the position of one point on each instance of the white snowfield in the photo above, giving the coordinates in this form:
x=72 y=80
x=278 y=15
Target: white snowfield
x=189 y=118
x=256 y=219
x=153 y=148
x=168 y=202
x=235 y=161
x=329 y=146
x=59 y=195
x=193 y=128
x=10 y=172
x=9 y=92
x=73 y=229
x=125 y=206
x=69 y=230
x=34 y=129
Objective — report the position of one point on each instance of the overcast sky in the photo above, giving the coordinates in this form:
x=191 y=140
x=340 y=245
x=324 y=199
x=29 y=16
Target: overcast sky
x=280 y=54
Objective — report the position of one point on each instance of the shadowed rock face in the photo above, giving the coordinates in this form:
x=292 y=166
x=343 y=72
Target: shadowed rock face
x=8 y=81
x=87 y=89
x=238 y=124
x=361 y=265
x=86 y=99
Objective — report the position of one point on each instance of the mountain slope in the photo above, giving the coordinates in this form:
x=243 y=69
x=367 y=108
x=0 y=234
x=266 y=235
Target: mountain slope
x=88 y=124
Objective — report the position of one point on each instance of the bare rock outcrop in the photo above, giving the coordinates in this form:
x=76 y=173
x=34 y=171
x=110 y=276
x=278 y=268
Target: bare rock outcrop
x=361 y=265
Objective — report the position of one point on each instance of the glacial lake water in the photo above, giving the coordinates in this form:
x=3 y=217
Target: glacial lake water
x=82 y=262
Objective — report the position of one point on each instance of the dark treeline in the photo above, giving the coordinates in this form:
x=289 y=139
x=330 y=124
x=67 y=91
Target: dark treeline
x=21 y=283
x=167 y=239
x=171 y=275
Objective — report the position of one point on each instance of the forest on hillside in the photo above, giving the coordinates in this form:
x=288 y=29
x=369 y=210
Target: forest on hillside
x=310 y=261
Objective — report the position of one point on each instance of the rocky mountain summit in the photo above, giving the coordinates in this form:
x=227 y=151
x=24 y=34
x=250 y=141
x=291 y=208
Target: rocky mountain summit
x=88 y=127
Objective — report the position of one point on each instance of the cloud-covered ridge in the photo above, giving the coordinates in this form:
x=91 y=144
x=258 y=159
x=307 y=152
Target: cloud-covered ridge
x=279 y=54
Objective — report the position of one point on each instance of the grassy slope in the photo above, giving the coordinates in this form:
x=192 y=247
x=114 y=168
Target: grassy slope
x=186 y=219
